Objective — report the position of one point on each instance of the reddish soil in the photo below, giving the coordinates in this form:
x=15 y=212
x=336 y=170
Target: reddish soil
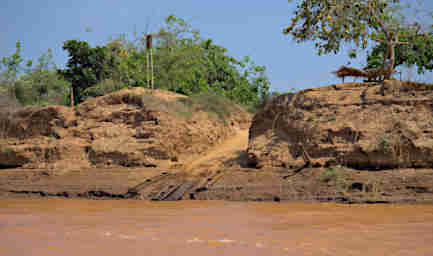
x=84 y=227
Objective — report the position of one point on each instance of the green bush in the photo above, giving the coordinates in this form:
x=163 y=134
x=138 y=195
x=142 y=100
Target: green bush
x=333 y=118
x=384 y=144
x=330 y=174
x=8 y=150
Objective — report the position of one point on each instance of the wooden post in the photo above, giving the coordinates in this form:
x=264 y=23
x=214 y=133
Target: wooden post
x=72 y=96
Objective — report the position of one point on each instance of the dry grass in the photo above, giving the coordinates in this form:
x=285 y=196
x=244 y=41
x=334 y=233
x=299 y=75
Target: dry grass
x=371 y=74
x=185 y=107
x=211 y=103
x=344 y=71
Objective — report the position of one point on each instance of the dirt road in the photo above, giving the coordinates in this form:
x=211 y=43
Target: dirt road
x=231 y=151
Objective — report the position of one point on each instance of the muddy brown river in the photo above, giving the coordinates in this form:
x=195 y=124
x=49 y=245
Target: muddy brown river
x=85 y=227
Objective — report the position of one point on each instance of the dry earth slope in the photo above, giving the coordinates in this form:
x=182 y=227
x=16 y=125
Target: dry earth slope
x=129 y=128
x=364 y=126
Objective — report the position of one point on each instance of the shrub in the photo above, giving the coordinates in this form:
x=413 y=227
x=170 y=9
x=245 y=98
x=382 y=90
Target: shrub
x=332 y=118
x=8 y=150
x=330 y=174
x=384 y=144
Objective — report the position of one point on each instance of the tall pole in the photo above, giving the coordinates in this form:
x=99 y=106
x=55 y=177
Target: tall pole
x=147 y=69
x=149 y=49
x=151 y=67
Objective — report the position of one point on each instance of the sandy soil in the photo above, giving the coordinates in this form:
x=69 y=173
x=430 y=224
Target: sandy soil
x=215 y=158
x=85 y=227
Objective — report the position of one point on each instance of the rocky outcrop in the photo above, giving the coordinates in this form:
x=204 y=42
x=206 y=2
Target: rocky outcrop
x=359 y=125
x=129 y=128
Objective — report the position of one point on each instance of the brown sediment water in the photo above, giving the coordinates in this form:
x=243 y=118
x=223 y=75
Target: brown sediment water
x=88 y=227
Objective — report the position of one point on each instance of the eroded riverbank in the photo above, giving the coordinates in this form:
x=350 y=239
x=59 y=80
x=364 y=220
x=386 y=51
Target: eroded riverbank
x=232 y=183
x=131 y=227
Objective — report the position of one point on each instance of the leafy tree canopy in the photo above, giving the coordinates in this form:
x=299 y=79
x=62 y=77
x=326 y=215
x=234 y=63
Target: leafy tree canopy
x=86 y=66
x=418 y=53
x=34 y=82
x=330 y=23
x=186 y=63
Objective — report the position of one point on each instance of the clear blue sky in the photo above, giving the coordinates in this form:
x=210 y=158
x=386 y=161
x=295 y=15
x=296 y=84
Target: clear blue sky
x=252 y=28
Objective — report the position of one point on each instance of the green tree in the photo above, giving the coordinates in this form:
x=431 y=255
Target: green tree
x=12 y=65
x=86 y=67
x=184 y=63
x=40 y=76
x=329 y=23
x=418 y=53
x=188 y=64
x=10 y=68
x=31 y=83
x=127 y=61
x=40 y=84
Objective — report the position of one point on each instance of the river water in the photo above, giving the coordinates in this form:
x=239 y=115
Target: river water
x=87 y=227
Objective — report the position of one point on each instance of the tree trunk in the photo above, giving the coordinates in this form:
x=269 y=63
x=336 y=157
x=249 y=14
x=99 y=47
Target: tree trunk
x=390 y=67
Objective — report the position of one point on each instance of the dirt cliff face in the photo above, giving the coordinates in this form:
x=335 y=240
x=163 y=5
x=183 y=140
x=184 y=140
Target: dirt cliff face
x=129 y=128
x=358 y=125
